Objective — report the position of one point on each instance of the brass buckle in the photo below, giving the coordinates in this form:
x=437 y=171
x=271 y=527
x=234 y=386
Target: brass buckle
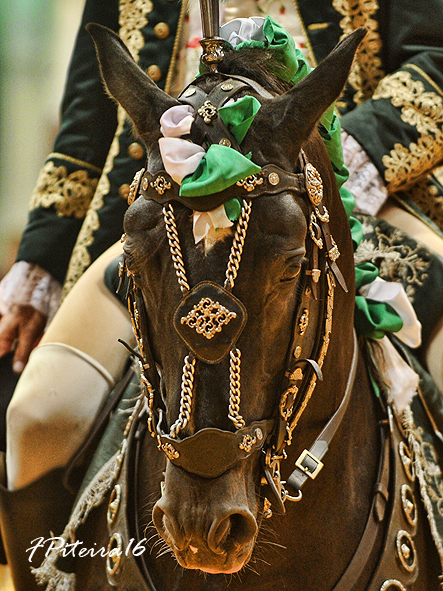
x=306 y=469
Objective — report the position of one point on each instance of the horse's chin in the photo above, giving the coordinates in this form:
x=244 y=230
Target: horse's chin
x=216 y=565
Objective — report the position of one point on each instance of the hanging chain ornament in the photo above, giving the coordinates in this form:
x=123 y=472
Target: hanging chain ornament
x=174 y=246
x=189 y=362
x=186 y=397
x=235 y=389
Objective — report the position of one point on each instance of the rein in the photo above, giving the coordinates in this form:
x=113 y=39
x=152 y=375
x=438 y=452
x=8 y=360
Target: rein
x=210 y=320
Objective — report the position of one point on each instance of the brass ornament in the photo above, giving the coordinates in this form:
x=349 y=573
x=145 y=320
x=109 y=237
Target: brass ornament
x=273 y=179
x=247 y=443
x=207 y=111
x=406 y=551
x=267 y=511
x=409 y=505
x=212 y=52
x=392 y=585
x=225 y=142
x=297 y=374
x=208 y=317
x=304 y=321
x=189 y=91
x=133 y=189
x=250 y=182
x=170 y=451
x=114 y=504
x=297 y=352
x=114 y=554
x=161 y=185
x=314 y=184
x=333 y=253
x=226 y=86
x=407 y=461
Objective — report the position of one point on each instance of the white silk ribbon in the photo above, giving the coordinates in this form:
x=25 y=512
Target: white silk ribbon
x=243 y=29
x=177 y=121
x=181 y=158
x=393 y=293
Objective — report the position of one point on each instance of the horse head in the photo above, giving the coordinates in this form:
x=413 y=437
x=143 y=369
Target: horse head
x=225 y=339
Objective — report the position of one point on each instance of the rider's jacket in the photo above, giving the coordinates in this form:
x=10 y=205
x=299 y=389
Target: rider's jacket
x=393 y=106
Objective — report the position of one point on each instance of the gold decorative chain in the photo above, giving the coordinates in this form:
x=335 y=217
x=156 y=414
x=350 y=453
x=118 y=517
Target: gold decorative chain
x=235 y=389
x=231 y=274
x=174 y=245
x=237 y=245
x=186 y=396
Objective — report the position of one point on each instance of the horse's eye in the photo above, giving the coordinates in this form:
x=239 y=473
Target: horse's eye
x=291 y=273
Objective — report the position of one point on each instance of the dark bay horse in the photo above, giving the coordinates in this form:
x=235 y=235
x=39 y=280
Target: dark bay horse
x=236 y=409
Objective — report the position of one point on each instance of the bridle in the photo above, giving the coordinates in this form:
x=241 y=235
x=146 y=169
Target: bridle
x=210 y=319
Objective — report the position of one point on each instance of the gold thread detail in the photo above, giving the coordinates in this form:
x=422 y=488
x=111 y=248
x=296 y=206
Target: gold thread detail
x=366 y=71
x=422 y=110
x=70 y=194
x=72 y=160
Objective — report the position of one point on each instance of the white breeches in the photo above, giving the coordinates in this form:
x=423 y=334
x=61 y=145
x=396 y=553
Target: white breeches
x=67 y=377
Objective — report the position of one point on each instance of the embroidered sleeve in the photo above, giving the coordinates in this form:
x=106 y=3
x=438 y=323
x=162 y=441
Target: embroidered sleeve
x=29 y=284
x=69 y=190
x=401 y=127
x=364 y=181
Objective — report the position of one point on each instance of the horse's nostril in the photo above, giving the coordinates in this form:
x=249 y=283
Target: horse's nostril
x=237 y=528
x=167 y=527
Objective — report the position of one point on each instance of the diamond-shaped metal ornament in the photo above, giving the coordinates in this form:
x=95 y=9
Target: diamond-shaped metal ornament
x=210 y=320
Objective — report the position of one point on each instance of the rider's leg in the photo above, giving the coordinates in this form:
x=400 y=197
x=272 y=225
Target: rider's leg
x=67 y=377
x=400 y=218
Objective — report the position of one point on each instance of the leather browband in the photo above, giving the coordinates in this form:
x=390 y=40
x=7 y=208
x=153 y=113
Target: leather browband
x=271 y=180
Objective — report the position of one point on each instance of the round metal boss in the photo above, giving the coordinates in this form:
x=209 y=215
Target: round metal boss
x=114 y=554
x=407 y=461
x=392 y=585
x=406 y=551
x=409 y=505
x=114 y=504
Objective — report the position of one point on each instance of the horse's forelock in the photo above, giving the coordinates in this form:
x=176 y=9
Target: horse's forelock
x=257 y=64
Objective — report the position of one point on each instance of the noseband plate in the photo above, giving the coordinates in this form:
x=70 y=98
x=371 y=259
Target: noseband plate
x=210 y=320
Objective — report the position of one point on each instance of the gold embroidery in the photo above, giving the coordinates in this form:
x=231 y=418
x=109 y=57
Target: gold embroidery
x=70 y=194
x=132 y=20
x=76 y=161
x=366 y=70
x=421 y=109
x=428 y=198
x=398 y=260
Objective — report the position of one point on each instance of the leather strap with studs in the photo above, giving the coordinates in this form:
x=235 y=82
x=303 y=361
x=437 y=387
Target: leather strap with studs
x=271 y=180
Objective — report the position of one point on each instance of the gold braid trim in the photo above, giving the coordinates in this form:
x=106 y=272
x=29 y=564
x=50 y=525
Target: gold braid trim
x=423 y=110
x=427 y=196
x=132 y=20
x=366 y=71
x=70 y=194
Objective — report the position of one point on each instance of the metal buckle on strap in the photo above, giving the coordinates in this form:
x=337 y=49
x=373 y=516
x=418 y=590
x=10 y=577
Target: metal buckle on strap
x=305 y=464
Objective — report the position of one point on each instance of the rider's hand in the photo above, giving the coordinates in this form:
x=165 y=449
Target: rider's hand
x=20 y=328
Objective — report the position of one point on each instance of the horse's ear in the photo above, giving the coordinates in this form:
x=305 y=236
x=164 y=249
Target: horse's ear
x=298 y=110
x=128 y=84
